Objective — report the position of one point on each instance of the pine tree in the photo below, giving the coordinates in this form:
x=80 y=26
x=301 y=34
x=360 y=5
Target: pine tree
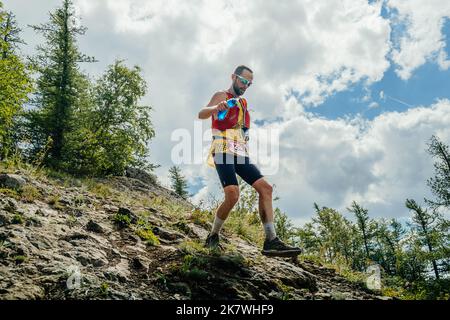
x=388 y=236
x=307 y=238
x=440 y=183
x=284 y=228
x=334 y=232
x=10 y=34
x=412 y=264
x=15 y=81
x=365 y=226
x=179 y=183
x=60 y=84
x=115 y=130
x=425 y=225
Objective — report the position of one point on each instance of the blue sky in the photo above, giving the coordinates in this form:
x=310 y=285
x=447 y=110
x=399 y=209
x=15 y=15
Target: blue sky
x=427 y=85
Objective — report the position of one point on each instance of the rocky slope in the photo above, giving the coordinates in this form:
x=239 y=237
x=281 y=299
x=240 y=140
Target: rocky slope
x=127 y=238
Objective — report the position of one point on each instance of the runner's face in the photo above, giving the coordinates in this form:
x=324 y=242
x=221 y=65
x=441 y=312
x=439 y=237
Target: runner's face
x=238 y=86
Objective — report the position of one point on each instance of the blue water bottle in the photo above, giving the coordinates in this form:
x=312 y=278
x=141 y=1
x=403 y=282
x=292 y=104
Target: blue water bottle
x=231 y=103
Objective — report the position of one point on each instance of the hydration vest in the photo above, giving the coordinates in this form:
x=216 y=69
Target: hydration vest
x=231 y=120
x=229 y=131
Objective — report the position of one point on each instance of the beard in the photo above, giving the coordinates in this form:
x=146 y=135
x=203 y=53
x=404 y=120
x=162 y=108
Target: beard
x=238 y=91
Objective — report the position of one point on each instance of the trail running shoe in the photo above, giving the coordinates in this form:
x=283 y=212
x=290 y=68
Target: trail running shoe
x=212 y=241
x=277 y=248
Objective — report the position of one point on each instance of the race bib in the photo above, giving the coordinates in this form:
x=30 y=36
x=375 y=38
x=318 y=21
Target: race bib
x=238 y=148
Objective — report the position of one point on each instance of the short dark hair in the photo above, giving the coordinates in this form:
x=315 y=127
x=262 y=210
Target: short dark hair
x=240 y=69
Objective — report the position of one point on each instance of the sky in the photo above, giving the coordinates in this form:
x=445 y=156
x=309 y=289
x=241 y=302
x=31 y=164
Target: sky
x=354 y=88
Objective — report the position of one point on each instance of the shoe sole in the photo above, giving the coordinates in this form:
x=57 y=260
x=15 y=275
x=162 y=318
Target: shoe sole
x=287 y=253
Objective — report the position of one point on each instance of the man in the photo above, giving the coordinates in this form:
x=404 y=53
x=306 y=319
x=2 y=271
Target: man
x=229 y=155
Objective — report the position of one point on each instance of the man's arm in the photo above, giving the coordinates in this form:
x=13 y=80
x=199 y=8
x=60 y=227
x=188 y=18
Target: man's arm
x=217 y=103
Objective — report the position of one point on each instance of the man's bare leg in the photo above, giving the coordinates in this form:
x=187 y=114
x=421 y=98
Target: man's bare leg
x=265 y=191
x=273 y=246
x=231 y=198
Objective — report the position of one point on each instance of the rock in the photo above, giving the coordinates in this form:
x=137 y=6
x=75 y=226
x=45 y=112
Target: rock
x=110 y=208
x=88 y=256
x=94 y=227
x=180 y=287
x=40 y=212
x=167 y=234
x=384 y=298
x=152 y=210
x=323 y=295
x=141 y=175
x=11 y=206
x=184 y=227
x=75 y=237
x=198 y=231
x=119 y=272
x=294 y=276
x=76 y=212
x=39 y=242
x=66 y=201
x=4 y=220
x=5 y=235
x=127 y=212
x=12 y=181
x=138 y=263
x=24 y=291
x=33 y=222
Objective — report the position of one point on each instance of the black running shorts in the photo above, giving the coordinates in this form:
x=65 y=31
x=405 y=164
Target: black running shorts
x=227 y=165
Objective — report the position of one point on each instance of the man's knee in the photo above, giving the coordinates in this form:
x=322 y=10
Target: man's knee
x=232 y=194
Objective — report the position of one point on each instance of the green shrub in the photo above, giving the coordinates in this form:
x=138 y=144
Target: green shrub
x=29 y=193
x=10 y=193
x=183 y=226
x=100 y=190
x=122 y=220
x=201 y=217
x=79 y=200
x=193 y=247
x=20 y=259
x=148 y=236
x=104 y=289
x=53 y=200
x=18 y=219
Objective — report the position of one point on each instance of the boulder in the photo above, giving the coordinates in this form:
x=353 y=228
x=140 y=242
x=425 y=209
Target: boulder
x=94 y=227
x=141 y=175
x=11 y=181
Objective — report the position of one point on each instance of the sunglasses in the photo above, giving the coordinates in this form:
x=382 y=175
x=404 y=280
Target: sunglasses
x=244 y=81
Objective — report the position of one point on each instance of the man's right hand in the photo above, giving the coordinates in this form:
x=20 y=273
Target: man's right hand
x=218 y=103
x=220 y=107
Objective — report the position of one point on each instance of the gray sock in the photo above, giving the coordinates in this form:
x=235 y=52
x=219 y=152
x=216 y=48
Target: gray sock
x=217 y=225
x=269 y=229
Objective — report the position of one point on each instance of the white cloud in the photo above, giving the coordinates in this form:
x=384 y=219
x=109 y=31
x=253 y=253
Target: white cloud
x=187 y=51
x=423 y=39
x=380 y=162
x=374 y=105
